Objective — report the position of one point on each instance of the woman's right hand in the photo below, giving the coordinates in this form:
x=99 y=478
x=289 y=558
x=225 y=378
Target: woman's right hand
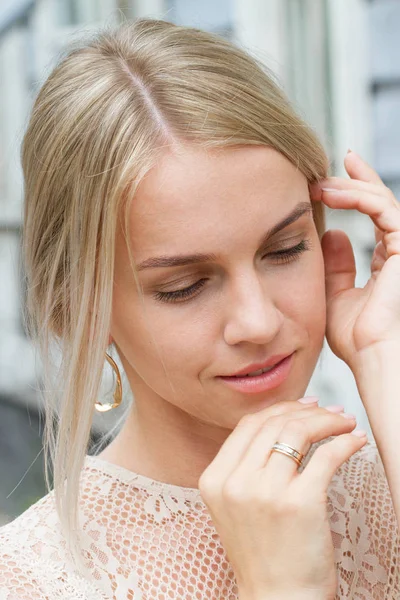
x=272 y=520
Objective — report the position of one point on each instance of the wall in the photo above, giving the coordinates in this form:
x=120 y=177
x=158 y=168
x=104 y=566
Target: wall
x=342 y=75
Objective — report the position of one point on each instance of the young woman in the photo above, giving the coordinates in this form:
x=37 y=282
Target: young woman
x=174 y=209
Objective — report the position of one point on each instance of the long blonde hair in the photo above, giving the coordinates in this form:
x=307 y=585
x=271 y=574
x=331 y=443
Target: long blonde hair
x=113 y=103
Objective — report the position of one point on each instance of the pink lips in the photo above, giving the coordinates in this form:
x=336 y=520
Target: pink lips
x=273 y=360
x=264 y=382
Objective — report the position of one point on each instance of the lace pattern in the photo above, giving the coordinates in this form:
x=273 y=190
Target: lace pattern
x=143 y=539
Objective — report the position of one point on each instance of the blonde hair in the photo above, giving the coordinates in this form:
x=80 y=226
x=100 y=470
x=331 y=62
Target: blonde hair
x=113 y=103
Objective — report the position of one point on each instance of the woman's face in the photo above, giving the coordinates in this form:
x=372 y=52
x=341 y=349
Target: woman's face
x=217 y=298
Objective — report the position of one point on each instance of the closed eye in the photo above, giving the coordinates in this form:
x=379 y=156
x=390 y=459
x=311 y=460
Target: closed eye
x=285 y=256
x=288 y=254
x=182 y=294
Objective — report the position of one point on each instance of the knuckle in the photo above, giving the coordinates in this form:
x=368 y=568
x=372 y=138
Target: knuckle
x=296 y=427
x=246 y=420
x=284 y=408
x=208 y=486
x=278 y=410
x=275 y=421
x=327 y=452
x=272 y=416
x=235 y=492
x=388 y=192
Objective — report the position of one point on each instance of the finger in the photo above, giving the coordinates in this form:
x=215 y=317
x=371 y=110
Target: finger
x=340 y=264
x=300 y=434
x=384 y=212
x=378 y=259
x=378 y=234
x=362 y=175
x=327 y=458
x=257 y=453
x=343 y=183
x=391 y=243
x=365 y=179
x=358 y=168
x=236 y=444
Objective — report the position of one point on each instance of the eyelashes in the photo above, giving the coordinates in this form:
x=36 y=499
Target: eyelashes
x=182 y=294
x=286 y=256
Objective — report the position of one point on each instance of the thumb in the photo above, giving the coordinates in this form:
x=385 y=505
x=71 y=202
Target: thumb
x=340 y=264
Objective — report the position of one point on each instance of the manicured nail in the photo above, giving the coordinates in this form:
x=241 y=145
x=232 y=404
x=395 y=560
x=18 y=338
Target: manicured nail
x=348 y=415
x=359 y=433
x=333 y=191
x=335 y=408
x=309 y=399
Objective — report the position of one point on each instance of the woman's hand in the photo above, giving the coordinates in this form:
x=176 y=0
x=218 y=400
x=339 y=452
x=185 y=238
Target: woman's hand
x=272 y=519
x=359 y=319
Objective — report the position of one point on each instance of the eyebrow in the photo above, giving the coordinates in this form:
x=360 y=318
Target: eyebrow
x=182 y=260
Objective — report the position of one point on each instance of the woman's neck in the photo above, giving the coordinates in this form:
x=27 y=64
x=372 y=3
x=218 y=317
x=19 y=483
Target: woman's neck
x=162 y=442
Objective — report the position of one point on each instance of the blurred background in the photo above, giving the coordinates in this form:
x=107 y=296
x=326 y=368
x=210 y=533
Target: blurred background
x=337 y=61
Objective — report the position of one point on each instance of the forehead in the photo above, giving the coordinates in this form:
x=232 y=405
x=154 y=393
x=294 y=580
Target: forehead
x=200 y=196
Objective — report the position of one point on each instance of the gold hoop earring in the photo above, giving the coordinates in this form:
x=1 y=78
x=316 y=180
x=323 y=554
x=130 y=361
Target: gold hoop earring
x=117 y=392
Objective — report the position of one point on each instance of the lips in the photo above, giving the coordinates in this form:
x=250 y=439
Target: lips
x=275 y=375
x=258 y=368
x=255 y=373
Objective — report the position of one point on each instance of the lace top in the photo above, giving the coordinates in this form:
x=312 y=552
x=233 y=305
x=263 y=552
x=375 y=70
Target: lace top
x=144 y=540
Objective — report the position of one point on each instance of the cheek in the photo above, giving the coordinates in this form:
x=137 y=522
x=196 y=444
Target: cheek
x=316 y=306
x=302 y=295
x=184 y=339
x=152 y=337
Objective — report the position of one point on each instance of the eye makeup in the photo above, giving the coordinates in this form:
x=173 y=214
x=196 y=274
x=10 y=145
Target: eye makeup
x=283 y=256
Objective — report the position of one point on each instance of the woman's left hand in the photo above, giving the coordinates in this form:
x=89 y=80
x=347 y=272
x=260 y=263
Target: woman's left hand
x=359 y=319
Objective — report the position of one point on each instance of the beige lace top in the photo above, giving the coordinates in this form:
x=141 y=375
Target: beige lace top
x=144 y=540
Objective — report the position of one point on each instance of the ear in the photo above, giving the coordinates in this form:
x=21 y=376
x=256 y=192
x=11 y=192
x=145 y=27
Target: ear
x=109 y=340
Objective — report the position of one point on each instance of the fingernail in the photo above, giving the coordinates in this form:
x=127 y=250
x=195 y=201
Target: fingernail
x=309 y=399
x=348 y=415
x=349 y=150
x=359 y=433
x=332 y=190
x=335 y=408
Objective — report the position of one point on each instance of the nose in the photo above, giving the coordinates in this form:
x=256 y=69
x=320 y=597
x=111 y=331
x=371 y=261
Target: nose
x=252 y=315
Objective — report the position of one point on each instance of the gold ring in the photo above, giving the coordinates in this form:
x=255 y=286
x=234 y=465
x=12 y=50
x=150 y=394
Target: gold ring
x=288 y=451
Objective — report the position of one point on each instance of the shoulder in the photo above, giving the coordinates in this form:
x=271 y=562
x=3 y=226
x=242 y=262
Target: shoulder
x=33 y=558
x=23 y=542
x=29 y=546
x=364 y=527
x=37 y=523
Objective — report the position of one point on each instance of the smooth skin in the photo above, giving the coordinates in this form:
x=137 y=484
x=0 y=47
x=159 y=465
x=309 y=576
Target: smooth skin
x=272 y=520
x=253 y=304
x=363 y=326
x=250 y=306
x=363 y=330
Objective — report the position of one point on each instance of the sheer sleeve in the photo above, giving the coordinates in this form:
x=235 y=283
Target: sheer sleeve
x=32 y=559
x=364 y=529
x=29 y=577
x=145 y=539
